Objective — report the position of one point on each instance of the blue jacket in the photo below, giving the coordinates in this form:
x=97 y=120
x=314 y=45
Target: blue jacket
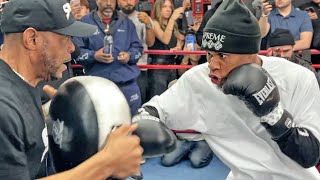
x=125 y=39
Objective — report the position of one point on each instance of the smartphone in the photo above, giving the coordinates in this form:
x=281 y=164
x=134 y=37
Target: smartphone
x=189 y=17
x=310 y=9
x=272 y=2
x=177 y=3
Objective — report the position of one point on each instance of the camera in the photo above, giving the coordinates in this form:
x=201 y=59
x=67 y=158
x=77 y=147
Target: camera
x=144 y=6
x=310 y=9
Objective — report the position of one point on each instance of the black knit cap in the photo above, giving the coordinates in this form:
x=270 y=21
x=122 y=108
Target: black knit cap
x=281 y=37
x=232 y=29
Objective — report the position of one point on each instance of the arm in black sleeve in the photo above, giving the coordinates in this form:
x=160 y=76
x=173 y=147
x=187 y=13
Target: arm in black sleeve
x=316 y=34
x=14 y=164
x=296 y=142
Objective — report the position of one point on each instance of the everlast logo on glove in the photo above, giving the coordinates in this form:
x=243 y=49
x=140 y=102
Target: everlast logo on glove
x=211 y=40
x=251 y=83
x=57 y=130
x=262 y=95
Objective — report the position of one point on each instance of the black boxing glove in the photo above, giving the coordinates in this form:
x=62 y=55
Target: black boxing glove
x=156 y=138
x=252 y=84
x=81 y=116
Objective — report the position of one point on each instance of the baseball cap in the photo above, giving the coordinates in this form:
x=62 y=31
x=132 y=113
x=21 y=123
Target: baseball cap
x=43 y=15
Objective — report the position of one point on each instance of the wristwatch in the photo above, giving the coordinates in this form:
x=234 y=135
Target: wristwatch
x=149 y=26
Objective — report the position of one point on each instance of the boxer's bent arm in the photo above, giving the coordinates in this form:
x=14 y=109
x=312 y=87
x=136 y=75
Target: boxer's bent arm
x=296 y=142
x=97 y=167
x=152 y=111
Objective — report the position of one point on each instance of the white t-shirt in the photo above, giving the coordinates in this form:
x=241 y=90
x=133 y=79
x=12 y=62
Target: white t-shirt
x=141 y=32
x=233 y=132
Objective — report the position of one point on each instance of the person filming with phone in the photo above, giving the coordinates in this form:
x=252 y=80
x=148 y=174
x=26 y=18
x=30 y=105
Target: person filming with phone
x=282 y=14
x=313 y=10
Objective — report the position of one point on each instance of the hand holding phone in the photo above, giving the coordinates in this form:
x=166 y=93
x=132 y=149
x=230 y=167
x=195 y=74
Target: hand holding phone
x=272 y=2
x=310 y=9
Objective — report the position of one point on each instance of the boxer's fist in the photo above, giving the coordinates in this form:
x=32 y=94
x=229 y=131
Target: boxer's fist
x=252 y=84
x=155 y=137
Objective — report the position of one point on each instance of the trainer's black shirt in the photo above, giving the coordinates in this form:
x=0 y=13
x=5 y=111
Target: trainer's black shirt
x=21 y=126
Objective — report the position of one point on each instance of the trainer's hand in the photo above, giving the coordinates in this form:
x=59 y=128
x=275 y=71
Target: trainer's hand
x=123 y=151
x=102 y=57
x=50 y=91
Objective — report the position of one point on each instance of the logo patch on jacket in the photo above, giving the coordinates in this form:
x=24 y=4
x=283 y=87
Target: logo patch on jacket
x=121 y=30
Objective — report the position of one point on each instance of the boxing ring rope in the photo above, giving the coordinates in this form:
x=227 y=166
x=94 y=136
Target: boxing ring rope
x=75 y=66
x=181 y=52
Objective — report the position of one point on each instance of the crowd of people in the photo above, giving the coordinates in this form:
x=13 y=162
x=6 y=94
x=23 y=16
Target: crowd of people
x=271 y=108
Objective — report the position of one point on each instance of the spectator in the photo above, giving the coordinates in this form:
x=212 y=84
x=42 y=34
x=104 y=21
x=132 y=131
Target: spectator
x=120 y=66
x=79 y=10
x=204 y=21
x=284 y=15
x=192 y=146
x=314 y=16
x=168 y=37
x=281 y=43
x=191 y=59
x=182 y=20
x=144 y=28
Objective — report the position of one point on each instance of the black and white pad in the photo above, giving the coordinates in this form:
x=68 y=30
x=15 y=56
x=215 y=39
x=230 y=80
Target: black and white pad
x=82 y=114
